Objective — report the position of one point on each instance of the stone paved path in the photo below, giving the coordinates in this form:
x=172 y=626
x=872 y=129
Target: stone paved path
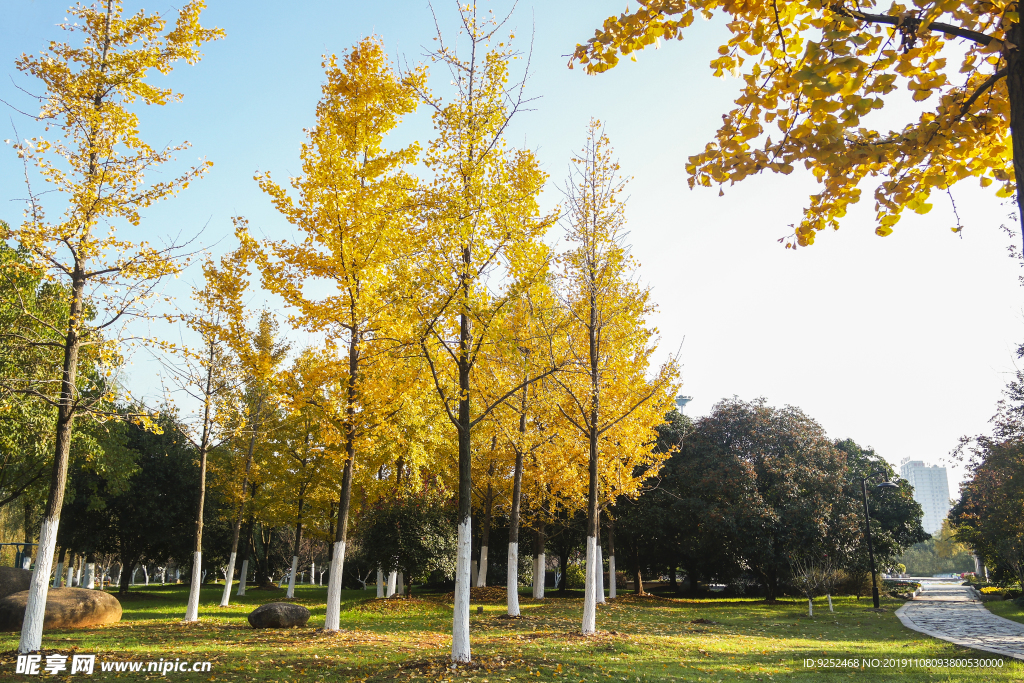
x=951 y=613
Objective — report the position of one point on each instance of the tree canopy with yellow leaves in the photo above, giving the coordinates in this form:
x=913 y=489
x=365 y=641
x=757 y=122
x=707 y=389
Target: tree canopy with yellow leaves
x=813 y=73
x=96 y=163
x=353 y=213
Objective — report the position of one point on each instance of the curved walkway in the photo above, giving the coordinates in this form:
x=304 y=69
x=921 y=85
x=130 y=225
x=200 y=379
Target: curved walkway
x=950 y=612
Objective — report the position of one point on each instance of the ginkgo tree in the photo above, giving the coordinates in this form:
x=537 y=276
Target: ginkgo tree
x=482 y=237
x=812 y=74
x=607 y=395
x=98 y=165
x=524 y=425
x=353 y=211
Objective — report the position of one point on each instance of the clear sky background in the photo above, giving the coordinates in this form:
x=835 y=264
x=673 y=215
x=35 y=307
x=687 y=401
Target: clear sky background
x=902 y=343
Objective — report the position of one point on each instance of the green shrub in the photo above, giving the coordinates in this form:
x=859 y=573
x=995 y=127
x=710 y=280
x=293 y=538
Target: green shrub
x=575 y=576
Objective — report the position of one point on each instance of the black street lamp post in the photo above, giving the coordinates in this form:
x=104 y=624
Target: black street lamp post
x=867 y=528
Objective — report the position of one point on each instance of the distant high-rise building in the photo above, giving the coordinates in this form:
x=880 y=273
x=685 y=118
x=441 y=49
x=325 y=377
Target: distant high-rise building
x=931 y=490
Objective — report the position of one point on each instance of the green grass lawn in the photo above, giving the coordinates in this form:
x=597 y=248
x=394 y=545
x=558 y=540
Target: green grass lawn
x=1006 y=608
x=640 y=639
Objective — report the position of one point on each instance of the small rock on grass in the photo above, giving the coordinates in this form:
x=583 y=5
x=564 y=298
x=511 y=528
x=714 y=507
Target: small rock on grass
x=278 y=615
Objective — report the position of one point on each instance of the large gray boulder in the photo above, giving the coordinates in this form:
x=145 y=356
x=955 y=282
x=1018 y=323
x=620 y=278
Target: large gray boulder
x=278 y=615
x=13 y=580
x=65 y=608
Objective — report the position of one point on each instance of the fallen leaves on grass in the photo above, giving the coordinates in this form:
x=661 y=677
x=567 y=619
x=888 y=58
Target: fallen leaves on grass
x=389 y=605
x=483 y=594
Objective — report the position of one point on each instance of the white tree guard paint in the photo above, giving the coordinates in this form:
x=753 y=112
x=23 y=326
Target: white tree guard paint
x=229 y=576
x=481 y=572
x=589 y=625
x=400 y=584
x=90 y=575
x=392 y=578
x=513 y=579
x=380 y=583
x=830 y=603
x=611 y=576
x=460 y=614
x=35 y=609
x=192 y=611
x=291 y=578
x=78 y=575
x=243 y=572
x=599 y=577
x=332 y=619
x=810 y=607
x=26 y=563
x=58 y=575
x=312 y=572
x=70 y=582
x=539 y=576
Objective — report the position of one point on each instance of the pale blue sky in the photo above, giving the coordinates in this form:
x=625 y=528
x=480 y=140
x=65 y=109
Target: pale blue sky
x=902 y=343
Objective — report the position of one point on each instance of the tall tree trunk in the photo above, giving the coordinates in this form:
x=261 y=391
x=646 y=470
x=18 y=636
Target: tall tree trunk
x=599 y=575
x=485 y=532
x=563 y=564
x=512 y=587
x=57 y=575
x=539 y=562
x=295 y=551
x=332 y=618
x=589 y=624
x=30 y=523
x=243 y=573
x=638 y=580
x=192 y=609
x=267 y=542
x=225 y=599
x=1015 y=90
x=460 y=614
x=611 y=557
x=32 y=626
x=124 y=577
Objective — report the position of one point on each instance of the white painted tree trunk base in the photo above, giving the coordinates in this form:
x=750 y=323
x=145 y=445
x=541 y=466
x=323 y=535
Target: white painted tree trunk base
x=513 y=579
x=58 y=575
x=400 y=584
x=481 y=572
x=312 y=573
x=332 y=619
x=611 y=576
x=460 y=613
x=35 y=610
x=599 y=578
x=78 y=574
x=243 y=572
x=229 y=576
x=392 y=577
x=90 y=575
x=291 y=578
x=830 y=603
x=810 y=607
x=380 y=583
x=539 y=576
x=589 y=625
x=192 y=611
x=71 y=576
